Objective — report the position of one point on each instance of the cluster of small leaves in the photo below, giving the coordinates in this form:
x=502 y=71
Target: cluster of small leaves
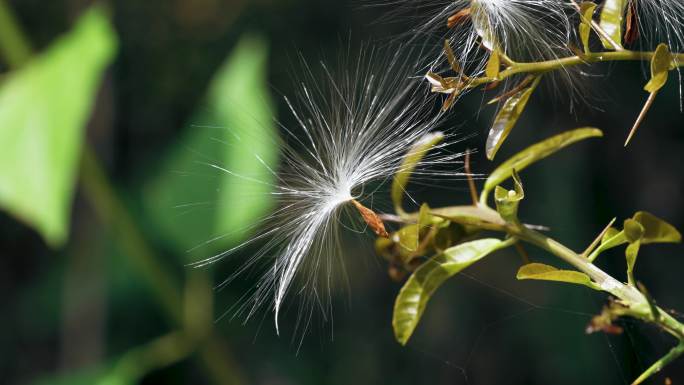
x=617 y=26
x=434 y=245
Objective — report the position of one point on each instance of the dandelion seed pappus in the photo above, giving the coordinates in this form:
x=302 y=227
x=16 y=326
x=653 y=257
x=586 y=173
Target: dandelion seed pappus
x=354 y=129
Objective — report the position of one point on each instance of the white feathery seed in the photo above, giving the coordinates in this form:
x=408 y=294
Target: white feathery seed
x=524 y=30
x=660 y=21
x=354 y=131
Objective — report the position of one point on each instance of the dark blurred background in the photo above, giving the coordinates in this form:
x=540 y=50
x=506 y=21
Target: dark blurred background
x=92 y=311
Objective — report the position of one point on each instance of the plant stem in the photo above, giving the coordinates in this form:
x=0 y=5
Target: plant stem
x=675 y=353
x=636 y=304
x=555 y=64
x=216 y=358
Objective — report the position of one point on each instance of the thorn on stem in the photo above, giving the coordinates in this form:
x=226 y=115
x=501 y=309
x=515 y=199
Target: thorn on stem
x=642 y=115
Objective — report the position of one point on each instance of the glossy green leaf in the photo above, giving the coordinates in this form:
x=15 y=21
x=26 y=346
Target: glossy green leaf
x=541 y=272
x=419 y=288
x=44 y=108
x=507 y=117
x=218 y=179
x=587 y=10
x=507 y=201
x=537 y=152
x=661 y=64
x=612 y=20
x=656 y=230
x=412 y=159
x=493 y=65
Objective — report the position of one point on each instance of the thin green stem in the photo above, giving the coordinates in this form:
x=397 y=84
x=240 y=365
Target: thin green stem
x=111 y=211
x=674 y=354
x=555 y=64
x=637 y=304
x=605 y=281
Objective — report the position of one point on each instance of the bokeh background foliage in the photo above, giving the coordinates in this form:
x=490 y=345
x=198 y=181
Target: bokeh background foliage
x=111 y=117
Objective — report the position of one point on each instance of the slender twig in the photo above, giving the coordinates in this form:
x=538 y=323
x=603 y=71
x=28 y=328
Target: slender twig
x=598 y=239
x=675 y=353
x=471 y=181
x=570 y=61
x=112 y=212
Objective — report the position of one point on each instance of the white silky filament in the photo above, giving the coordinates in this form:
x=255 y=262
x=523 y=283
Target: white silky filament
x=354 y=130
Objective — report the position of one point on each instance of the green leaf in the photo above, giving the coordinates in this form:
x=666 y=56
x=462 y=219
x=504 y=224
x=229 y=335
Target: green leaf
x=537 y=152
x=473 y=215
x=612 y=20
x=631 y=254
x=541 y=272
x=411 y=160
x=634 y=231
x=656 y=230
x=408 y=238
x=587 y=10
x=414 y=296
x=610 y=233
x=611 y=239
x=507 y=201
x=219 y=176
x=661 y=64
x=44 y=107
x=493 y=65
x=507 y=118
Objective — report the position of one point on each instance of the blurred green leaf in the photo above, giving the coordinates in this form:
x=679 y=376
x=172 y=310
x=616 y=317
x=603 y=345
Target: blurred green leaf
x=612 y=20
x=656 y=230
x=587 y=10
x=44 y=107
x=411 y=160
x=507 y=117
x=537 y=152
x=541 y=272
x=414 y=296
x=218 y=177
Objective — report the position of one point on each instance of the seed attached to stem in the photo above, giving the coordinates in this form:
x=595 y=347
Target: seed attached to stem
x=372 y=219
